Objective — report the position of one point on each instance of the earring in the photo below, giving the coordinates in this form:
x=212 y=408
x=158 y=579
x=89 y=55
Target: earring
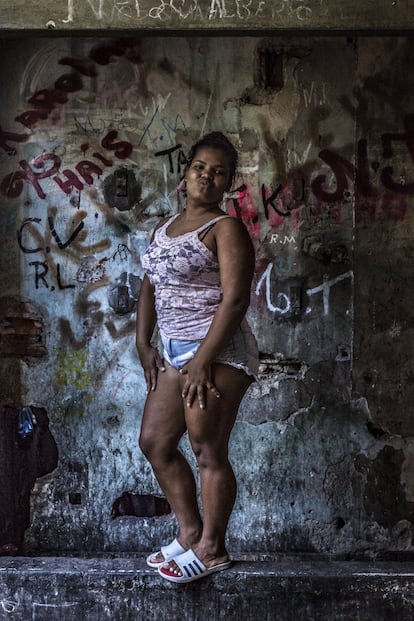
x=223 y=203
x=182 y=194
x=182 y=186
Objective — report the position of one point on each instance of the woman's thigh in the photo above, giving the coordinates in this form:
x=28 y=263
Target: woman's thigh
x=163 y=421
x=211 y=427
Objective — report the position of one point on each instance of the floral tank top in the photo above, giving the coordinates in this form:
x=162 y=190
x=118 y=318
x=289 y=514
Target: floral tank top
x=186 y=279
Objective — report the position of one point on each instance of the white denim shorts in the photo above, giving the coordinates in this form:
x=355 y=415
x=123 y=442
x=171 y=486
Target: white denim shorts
x=240 y=352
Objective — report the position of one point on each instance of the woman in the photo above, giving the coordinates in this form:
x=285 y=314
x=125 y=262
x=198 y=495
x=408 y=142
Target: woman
x=199 y=268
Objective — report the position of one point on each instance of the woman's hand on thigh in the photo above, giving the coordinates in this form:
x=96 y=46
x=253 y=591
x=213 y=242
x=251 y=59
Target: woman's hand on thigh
x=198 y=380
x=151 y=362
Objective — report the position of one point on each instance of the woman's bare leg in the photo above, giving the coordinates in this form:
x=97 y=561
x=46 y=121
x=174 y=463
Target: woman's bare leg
x=209 y=432
x=163 y=425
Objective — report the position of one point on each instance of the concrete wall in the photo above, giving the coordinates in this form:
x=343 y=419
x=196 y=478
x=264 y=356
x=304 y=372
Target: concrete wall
x=92 y=143
x=208 y=15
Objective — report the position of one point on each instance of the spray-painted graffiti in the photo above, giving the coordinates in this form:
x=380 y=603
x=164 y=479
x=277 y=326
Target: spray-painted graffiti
x=137 y=10
x=391 y=199
x=315 y=94
x=9 y=605
x=299 y=9
x=45 y=101
x=56 y=236
x=285 y=201
x=181 y=160
x=49 y=165
x=32 y=240
x=242 y=206
x=233 y=9
x=285 y=302
x=276 y=238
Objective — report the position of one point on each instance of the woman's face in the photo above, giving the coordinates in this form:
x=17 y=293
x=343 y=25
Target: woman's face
x=208 y=176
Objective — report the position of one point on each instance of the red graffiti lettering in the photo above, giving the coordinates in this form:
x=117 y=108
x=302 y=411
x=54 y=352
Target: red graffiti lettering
x=47 y=99
x=86 y=169
x=122 y=148
x=244 y=208
x=341 y=168
x=83 y=65
x=31 y=117
x=33 y=177
x=368 y=199
x=72 y=182
x=69 y=83
x=12 y=185
x=103 y=159
x=103 y=54
x=5 y=136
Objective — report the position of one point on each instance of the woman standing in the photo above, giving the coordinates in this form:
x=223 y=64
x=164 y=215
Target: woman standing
x=199 y=268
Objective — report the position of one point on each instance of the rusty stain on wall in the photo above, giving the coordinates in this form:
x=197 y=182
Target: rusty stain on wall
x=72 y=369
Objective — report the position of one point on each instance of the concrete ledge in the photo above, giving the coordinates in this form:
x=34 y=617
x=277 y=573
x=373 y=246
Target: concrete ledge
x=125 y=589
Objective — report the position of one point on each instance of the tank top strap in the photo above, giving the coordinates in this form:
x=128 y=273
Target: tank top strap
x=161 y=232
x=210 y=223
x=168 y=221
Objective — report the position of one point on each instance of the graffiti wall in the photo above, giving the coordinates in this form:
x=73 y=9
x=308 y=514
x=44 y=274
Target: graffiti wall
x=93 y=141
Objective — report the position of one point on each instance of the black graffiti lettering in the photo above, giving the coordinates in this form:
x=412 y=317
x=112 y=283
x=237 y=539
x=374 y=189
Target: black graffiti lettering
x=59 y=280
x=168 y=152
x=20 y=236
x=63 y=245
x=40 y=275
x=269 y=200
x=236 y=204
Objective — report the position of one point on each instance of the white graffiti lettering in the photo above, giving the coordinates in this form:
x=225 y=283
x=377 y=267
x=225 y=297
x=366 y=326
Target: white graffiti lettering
x=8 y=605
x=265 y=278
x=36 y=614
x=113 y=10
x=276 y=238
x=324 y=288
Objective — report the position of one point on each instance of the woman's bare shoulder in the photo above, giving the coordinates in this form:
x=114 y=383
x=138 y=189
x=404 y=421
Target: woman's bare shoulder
x=233 y=227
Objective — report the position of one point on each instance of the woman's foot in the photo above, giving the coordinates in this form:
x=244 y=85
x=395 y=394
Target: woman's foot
x=170 y=551
x=156 y=559
x=208 y=558
x=189 y=566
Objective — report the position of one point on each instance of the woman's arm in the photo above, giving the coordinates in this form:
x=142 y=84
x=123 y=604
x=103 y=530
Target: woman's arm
x=149 y=356
x=236 y=259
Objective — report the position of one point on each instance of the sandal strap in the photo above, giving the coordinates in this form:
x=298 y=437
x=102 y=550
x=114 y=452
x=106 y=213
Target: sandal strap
x=189 y=564
x=172 y=549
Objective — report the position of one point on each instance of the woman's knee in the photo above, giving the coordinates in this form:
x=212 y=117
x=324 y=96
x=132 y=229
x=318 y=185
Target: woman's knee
x=146 y=443
x=158 y=450
x=210 y=456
